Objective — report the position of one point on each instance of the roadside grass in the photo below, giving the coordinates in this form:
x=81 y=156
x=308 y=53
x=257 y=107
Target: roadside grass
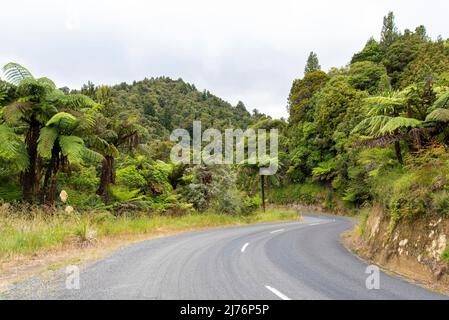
x=363 y=221
x=445 y=255
x=27 y=233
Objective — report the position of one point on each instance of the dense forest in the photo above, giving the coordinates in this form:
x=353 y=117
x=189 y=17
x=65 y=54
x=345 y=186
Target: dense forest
x=374 y=132
x=108 y=146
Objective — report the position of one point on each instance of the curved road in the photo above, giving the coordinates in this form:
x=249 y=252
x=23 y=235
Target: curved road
x=292 y=260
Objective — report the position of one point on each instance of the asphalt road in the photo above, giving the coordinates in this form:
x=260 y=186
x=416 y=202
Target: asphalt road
x=292 y=260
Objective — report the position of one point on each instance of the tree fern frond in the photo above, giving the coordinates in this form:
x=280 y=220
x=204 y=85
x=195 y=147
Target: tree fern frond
x=3 y=92
x=381 y=105
x=89 y=155
x=13 y=149
x=47 y=82
x=47 y=138
x=44 y=111
x=30 y=89
x=371 y=126
x=87 y=121
x=16 y=112
x=110 y=136
x=113 y=151
x=397 y=123
x=441 y=103
x=72 y=147
x=438 y=115
x=97 y=143
x=65 y=122
x=77 y=102
x=15 y=73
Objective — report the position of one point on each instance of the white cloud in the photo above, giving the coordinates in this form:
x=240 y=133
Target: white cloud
x=239 y=50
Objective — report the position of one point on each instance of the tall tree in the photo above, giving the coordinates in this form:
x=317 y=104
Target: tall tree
x=28 y=114
x=60 y=143
x=312 y=63
x=389 y=120
x=114 y=130
x=37 y=101
x=389 y=30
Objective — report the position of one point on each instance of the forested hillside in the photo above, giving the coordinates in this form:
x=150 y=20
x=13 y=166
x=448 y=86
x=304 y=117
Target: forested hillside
x=372 y=138
x=163 y=105
x=106 y=146
x=375 y=131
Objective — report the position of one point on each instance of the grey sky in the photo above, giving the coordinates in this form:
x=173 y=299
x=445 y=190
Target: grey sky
x=239 y=50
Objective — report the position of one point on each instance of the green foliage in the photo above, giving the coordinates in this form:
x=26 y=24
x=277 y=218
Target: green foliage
x=445 y=254
x=312 y=63
x=307 y=193
x=15 y=73
x=438 y=115
x=394 y=92
x=13 y=154
x=389 y=30
x=125 y=195
x=301 y=93
x=131 y=177
x=372 y=52
x=366 y=75
x=430 y=63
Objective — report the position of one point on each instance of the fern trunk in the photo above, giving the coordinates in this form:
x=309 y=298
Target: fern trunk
x=48 y=193
x=30 y=176
x=107 y=178
x=397 y=149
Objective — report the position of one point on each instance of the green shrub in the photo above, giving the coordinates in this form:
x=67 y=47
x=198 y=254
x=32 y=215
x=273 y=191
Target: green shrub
x=307 y=193
x=131 y=177
x=440 y=202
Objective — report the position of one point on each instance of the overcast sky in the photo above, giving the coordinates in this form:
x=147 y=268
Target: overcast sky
x=239 y=50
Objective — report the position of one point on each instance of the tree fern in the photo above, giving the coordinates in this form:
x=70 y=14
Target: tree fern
x=64 y=122
x=397 y=123
x=438 y=115
x=47 y=139
x=15 y=73
x=13 y=149
x=442 y=102
x=72 y=147
x=383 y=105
x=77 y=102
x=35 y=90
x=14 y=113
x=89 y=155
x=371 y=126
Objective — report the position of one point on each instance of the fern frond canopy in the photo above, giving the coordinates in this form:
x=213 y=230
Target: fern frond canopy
x=398 y=123
x=438 y=115
x=15 y=73
x=12 y=149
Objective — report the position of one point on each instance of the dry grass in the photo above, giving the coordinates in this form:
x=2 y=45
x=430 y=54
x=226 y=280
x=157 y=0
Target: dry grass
x=26 y=230
x=35 y=239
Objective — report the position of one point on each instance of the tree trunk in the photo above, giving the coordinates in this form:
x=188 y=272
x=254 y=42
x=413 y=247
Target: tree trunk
x=262 y=189
x=30 y=176
x=107 y=178
x=48 y=193
x=397 y=149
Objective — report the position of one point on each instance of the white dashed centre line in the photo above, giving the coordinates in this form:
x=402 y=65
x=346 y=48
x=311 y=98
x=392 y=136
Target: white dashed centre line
x=276 y=231
x=278 y=293
x=244 y=246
